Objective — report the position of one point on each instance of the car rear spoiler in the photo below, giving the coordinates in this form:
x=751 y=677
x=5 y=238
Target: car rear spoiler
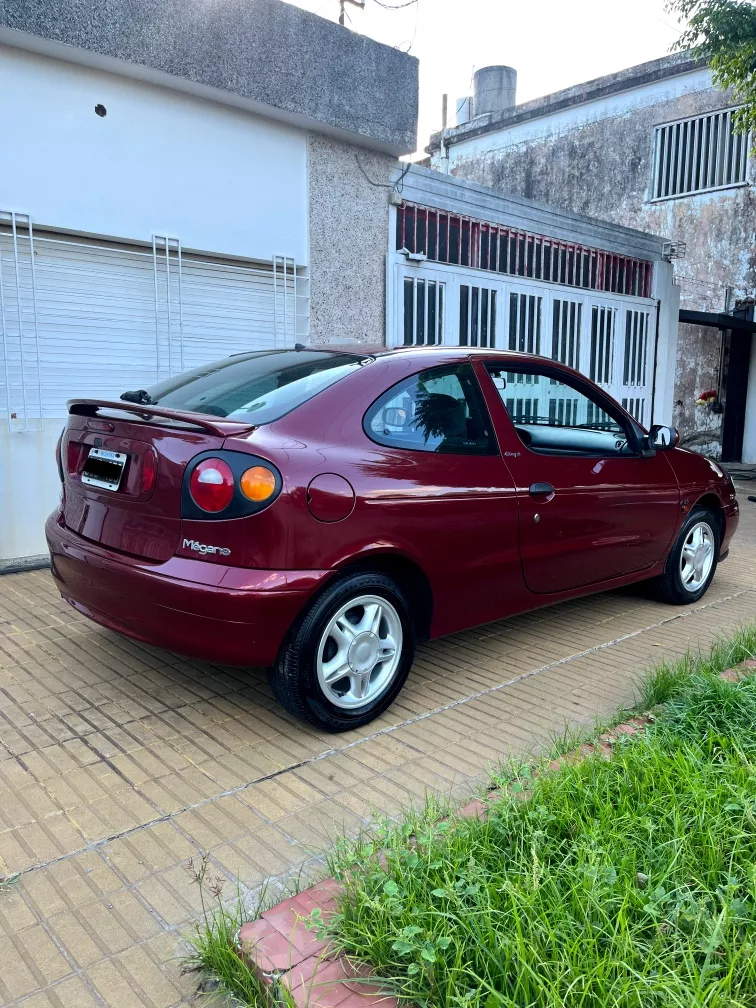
x=222 y=428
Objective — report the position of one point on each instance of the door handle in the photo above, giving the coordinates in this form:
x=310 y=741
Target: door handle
x=541 y=490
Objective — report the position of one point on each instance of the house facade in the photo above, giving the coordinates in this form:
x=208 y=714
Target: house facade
x=184 y=181
x=651 y=147
x=190 y=181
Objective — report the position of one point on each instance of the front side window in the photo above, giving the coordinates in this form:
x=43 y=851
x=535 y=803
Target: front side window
x=256 y=387
x=557 y=418
x=438 y=410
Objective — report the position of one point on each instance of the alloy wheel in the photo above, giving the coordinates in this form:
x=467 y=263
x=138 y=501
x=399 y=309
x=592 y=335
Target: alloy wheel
x=359 y=651
x=697 y=556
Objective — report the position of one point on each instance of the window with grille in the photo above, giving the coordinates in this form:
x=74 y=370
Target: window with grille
x=565 y=333
x=602 y=344
x=636 y=348
x=423 y=312
x=699 y=154
x=477 y=316
x=525 y=330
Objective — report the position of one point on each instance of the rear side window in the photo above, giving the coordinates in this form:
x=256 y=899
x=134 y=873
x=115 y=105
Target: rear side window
x=256 y=387
x=438 y=410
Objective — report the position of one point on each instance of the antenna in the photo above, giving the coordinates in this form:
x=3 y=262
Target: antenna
x=355 y=3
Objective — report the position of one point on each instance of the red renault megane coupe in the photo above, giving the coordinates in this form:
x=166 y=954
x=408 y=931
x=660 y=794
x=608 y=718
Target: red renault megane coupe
x=319 y=512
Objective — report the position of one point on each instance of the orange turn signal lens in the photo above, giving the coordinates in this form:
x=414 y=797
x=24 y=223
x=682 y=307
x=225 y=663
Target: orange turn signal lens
x=258 y=483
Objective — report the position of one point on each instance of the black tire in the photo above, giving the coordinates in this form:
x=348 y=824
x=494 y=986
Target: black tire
x=669 y=586
x=294 y=678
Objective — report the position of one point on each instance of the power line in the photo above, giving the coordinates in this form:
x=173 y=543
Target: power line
x=400 y=6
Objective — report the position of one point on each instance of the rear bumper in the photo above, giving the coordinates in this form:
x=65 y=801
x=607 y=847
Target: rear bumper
x=206 y=610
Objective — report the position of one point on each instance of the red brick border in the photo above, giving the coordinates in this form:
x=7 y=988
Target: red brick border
x=279 y=947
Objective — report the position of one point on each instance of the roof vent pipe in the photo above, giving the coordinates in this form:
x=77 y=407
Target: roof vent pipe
x=494 y=90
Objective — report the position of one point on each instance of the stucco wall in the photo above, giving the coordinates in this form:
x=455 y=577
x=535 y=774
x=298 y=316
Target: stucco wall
x=601 y=166
x=349 y=219
x=262 y=51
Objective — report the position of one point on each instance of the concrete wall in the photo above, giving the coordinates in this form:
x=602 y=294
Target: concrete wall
x=159 y=162
x=596 y=158
x=349 y=219
x=275 y=54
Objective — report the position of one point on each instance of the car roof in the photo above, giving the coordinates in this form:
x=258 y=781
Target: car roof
x=455 y=352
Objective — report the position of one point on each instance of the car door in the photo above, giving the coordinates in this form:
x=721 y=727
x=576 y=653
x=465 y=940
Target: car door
x=445 y=495
x=591 y=507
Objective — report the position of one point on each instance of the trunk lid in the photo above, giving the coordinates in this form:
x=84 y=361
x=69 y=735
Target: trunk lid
x=136 y=519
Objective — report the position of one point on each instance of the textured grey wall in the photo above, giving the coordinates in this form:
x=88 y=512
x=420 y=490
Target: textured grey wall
x=602 y=168
x=349 y=219
x=263 y=50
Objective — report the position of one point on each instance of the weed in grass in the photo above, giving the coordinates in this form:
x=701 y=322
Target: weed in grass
x=213 y=940
x=622 y=883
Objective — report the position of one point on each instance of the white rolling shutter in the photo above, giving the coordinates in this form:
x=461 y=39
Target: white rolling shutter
x=93 y=319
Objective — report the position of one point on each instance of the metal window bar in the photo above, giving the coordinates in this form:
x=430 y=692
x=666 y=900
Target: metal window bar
x=16 y=224
x=424 y=312
x=477 y=316
x=602 y=344
x=285 y=290
x=463 y=241
x=171 y=247
x=565 y=334
x=699 y=154
x=522 y=410
x=636 y=348
x=636 y=407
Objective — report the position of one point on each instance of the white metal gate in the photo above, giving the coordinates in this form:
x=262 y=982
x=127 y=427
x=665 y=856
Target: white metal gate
x=82 y=317
x=608 y=337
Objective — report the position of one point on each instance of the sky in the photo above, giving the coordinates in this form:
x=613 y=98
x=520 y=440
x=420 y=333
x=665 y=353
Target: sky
x=551 y=43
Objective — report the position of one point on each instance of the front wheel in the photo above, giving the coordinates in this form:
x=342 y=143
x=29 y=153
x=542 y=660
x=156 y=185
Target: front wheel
x=692 y=562
x=347 y=658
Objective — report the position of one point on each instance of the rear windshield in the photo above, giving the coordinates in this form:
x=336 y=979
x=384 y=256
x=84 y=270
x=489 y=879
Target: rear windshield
x=256 y=387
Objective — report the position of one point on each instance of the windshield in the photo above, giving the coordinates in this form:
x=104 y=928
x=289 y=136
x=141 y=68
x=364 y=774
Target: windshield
x=256 y=387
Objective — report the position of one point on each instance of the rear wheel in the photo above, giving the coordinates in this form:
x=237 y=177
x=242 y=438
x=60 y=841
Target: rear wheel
x=692 y=562
x=347 y=658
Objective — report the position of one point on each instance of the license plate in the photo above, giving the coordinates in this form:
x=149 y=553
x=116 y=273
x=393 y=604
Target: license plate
x=104 y=469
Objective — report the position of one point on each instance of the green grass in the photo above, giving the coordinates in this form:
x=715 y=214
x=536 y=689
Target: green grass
x=629 y=882
x=221 y=971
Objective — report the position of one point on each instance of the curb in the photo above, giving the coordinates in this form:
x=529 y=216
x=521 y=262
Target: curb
x=282 y=952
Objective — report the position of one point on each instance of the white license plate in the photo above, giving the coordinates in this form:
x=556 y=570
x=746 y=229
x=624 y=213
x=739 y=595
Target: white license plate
x=104 y=469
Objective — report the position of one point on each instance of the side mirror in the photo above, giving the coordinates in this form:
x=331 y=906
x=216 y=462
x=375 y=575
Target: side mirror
x=663 y=438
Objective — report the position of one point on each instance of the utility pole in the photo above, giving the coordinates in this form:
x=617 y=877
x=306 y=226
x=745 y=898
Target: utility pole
x=355 y=3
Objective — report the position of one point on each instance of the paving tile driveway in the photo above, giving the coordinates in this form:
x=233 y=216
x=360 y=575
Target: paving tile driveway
x=120 y=762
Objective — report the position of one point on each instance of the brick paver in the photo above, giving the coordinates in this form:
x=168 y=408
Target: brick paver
x=119 y=763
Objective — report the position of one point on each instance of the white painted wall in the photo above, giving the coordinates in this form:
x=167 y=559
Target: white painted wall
x=160 y=162
x=29 y=489
x=667 y=294
x=564 y=120
x=749 y=435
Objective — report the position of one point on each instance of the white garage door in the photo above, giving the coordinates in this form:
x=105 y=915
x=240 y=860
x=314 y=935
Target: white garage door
x=80 y=317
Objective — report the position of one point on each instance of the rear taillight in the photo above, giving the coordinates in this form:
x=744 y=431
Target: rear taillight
x=224 y=484
x=149 y=471
x=211 y=485
x=258 y=483
x=59 y=456
x=74 y=454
